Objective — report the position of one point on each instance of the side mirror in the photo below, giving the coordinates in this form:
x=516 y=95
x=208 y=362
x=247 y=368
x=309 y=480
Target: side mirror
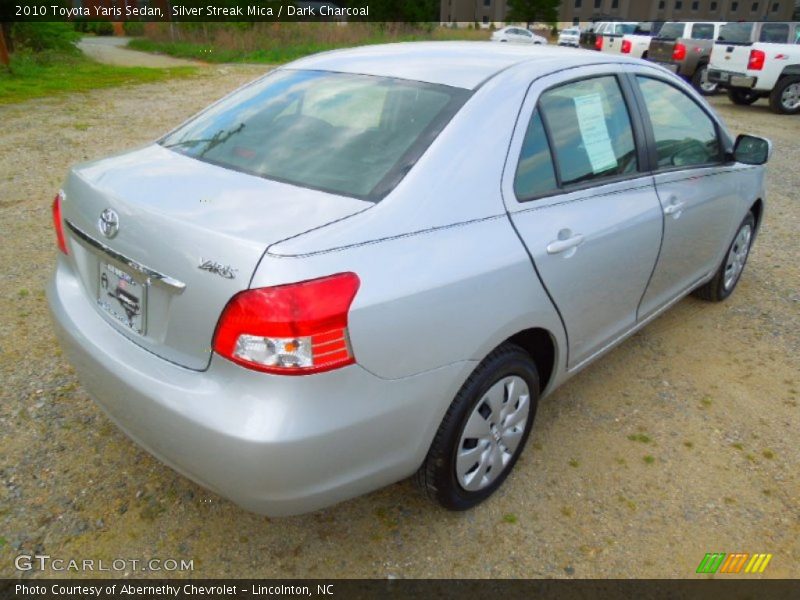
x=752 y=150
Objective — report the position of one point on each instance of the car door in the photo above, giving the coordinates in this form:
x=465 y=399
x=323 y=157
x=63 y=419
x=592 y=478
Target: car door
x=580 y=202
x=695 y=186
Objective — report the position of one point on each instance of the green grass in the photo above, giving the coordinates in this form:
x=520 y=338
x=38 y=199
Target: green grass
x=281 y=52
x=41 y=75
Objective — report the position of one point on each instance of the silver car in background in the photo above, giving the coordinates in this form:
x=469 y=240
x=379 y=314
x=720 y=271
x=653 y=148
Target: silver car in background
x=518 y=35
x=323 y=284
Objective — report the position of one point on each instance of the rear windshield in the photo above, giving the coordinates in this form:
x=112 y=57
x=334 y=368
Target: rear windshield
x=736 y=33
x=624 y=28
x=353 y=135
x=671 y=31
x=703 y=31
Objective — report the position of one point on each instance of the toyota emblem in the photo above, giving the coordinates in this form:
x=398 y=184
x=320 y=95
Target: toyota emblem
x=108 y=223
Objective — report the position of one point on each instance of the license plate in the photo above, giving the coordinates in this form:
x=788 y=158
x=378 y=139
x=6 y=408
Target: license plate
x=122 y=297
x=724 y=76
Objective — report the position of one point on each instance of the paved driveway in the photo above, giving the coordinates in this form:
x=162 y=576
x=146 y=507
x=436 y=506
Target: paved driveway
x=112 y=51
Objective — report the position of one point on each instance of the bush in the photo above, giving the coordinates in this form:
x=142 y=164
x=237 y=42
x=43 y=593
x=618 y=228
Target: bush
x=134 y=28
x=39 y=37
x=95 y=27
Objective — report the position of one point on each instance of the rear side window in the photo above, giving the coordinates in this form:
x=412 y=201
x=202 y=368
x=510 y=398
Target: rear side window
x=702 y=31
x=775 y=33
x=590 y=130
x=684 y=134
x=535 y=175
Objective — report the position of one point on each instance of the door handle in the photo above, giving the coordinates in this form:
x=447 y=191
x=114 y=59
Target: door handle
x=562 y=245
x=674 y=208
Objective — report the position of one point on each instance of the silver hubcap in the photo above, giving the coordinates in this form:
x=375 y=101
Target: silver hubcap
x=737 y=256
x=493 y=432
x=791 y=96
x=705 y=84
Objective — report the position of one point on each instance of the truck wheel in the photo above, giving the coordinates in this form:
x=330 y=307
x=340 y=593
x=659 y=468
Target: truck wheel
x=742 y=97
x=483 y=432
x=785 y=97
x=701 y=83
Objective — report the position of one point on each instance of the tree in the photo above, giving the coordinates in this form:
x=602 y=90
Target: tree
x=527 y=11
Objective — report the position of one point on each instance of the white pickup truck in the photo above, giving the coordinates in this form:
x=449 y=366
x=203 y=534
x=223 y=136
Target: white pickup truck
x=635 y=43
x=759 y=60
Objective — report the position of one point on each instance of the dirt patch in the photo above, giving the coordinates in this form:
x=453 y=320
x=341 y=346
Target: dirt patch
x=680 y=442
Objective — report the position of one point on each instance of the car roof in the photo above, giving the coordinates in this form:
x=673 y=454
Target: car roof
x=457 y=64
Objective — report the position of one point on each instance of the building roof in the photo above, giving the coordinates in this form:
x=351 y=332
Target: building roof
x=457 y=64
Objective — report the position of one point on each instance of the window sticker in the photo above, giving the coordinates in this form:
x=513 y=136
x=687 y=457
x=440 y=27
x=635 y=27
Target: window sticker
x=594 y=131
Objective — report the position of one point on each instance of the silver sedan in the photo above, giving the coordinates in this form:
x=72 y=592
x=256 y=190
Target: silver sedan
x=324 y=283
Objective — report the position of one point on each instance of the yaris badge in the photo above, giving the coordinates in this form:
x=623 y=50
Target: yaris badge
x=213 y=266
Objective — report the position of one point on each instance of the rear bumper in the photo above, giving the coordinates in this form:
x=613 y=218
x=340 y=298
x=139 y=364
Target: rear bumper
x=274 y=445
x=731 y=79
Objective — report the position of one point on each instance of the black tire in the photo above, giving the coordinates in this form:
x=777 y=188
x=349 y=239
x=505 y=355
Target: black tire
x=437 y=475
x=715 y=290
x=742 y=97
x=697 y=82
x=776 y=101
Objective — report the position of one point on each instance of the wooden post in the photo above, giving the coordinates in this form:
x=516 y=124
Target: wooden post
x=4 y=58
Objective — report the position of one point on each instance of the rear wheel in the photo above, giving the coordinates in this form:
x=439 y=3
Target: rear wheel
x=729 y=272
x=742 y=97
x=702 y=84
x=785 y=97
x=483 y=432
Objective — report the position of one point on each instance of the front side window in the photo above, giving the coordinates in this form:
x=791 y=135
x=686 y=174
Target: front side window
x=590 y=130
x=685 y=135
x=354 y=135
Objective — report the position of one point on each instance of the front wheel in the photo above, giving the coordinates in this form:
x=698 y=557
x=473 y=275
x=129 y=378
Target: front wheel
x=742 y=97
x=730 y=271
x=785 y=97
x=702 y=84
x=483 y=432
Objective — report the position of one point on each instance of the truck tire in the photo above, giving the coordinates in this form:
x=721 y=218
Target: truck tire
x=701 y=83
x=785 y=96
x=742 y=97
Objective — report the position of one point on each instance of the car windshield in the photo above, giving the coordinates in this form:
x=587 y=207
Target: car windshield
x=570 y=31
x=736 y=33
x=354 y=135
x=671 y=31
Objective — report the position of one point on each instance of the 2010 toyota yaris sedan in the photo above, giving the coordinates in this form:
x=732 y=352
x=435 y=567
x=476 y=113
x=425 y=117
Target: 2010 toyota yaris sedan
x=374 y=262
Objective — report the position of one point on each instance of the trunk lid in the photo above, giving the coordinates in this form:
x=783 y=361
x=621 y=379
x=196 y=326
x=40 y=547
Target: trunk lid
x=731 y=57
x=661 y=50
x=190 y=235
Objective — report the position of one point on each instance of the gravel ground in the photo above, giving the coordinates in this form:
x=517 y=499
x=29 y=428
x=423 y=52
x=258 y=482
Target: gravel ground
x=681 y=441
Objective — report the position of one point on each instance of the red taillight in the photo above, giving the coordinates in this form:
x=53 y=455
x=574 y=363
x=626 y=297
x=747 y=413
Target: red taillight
x=598 y=42
x=756 y=62
x=292 y=329
x=626 y=46
x=58 y=224
x=679 y=52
